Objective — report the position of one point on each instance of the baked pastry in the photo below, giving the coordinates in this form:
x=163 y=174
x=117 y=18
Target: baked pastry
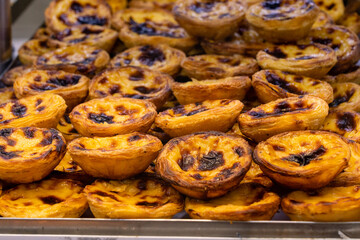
x=111 y=116
x=283 y=115
x=42 y=33
x=344 y=42
x=208 y=66
x=282 y=21
x=204 y=165
x=72 y=88
x=335 y=8
x=62 y=14
x=351 y=21
x=247 y=202
x=10 y=76
x=131 y=82
x=209 y=19
x=322 y=19
x=117 y=157
x=151 y=26
x=42 y=110
x=346 y=97
x=67 y=129
x=198 y=91
x=164 y=4
x=155 y=57
x=159 y=133
x=51 y=198
x=351 y=75
x=74 y=59
x=270 y=85
x=255 y=175
x=68 y=165
x=251 y=100
x=141 y=197
x=170 y=103
x=92 y=35
x=7 y=94
x=303 y=159
x=117 y=5
x=344 y=123
x=32 y=49
x=23 y=160
x=329 y=204
x=313 y=60
x=209 y=115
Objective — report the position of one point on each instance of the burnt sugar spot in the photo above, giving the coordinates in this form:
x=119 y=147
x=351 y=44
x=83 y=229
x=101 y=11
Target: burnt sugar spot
x=142 y=185
x=29 y=132
x=276 y=52
x=37 y=78
x=324 y=41
x=271 y=4
x=114 y=89
x=346 y=121
x=146 y=90
x=6 y=132
x=277 y=80
x=18 y=109
x=196 y=111
x=200 y=7
x=134 y=138
x=298 y=79
x=39 y=109
x=121 y=110
x=8 y=155
x=92 y=20
x=305 y=158
x=186 y=162
x=306 y=57
x=64 y=81
x=51 y=200
x=278 y=148
x=38 y=102
x=148 y=204
x=279 y=109
x=137 y=75
x=151 y=29
x=149 y=55
x=180 y=109
x=76 y=7
x=342 y=98
x=104 y=194
x=239 y=151
x=227 y=172
x=100 y=118
x=211 y=161
x=196 y=176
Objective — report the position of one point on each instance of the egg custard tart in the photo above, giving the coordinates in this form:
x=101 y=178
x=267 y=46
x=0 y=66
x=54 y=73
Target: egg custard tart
x=303 y=159
x=255 y=175
x=159 y=133
x=208 y=66
x=141 y=197
x=273 y=84
x=42 y=33
x=351 y=21
x=283 y=20
x=76 y=58
x=351 y=75
x=335 y=8
x=29 y=154
x=198 y=91
x=51 y=198
x=72 y=88
x=42 y=110
x=343 y=41
x=313 y=60
x=117 y=157
x=247 y=202
x=344 y=123
x=210 y=19
x=68 y=165
x=111 y=116
x=7 y=94
x=117 y=5
x=67 y=129
x=97 y=36
x=209 y=115
x=322 y=19
x=132 y=82
x=329 y=204
x=164 y=4
x=155 y=57
x=10 y=76
x=151 y=26
x=282 y=115
x=62 y=14
x=346 y=97
x=32 y=49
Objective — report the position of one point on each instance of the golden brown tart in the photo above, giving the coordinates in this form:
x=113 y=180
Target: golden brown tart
x=344 y=42
x=335 y=8
x=151 y=26
x=351 y=75
x=255 y=175
x=68 y=165
x=32 y=49
x=247 y=202
x=282 y=21
x=141 y=197
x=42 y=110
x=10 y=76
x=159 y=133
x=329 y=204
x=188 y=90
x=67 y=129
x=164 y=4
x=117 y=5
x=62 y=14
x=73 y=88
x=208 y=18
x=322 y=19
x=51 y=198
x=29 y=154
x=132 y=82
x=303 y=159
x=313 y=60
x=346 y=97
x=111 y=116
x=273 y=84
x=42 y=33
x=117 y=157
x=344 y=123
x=155 y=57
x=74 y=59
x=209 y=115
x=203 y=67
x=97 y=36
x=7 y=94
x=204 y=165
x=282 y=115
x=351 y=21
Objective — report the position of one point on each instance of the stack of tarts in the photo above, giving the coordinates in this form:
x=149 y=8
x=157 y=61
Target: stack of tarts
x=226 y=109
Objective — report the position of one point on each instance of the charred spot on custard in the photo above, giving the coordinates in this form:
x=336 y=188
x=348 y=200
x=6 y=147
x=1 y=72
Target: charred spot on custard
x=51 y=200
x=142 y=185
x=114 y=89
x=134 y=138
x=8 y=155
x=6 y=132
x=196 y=176
x=76 y=7
x=92 y=20
x=239 y=151
x=18 y=109
x=211 y=161
x=29 y=132
x=227 y=172
x=279 y=109
x=276 y=52
x=148 y=204
x=38 y=102
x=104 y=194
x=342 y=98
x=146 y=90
x=276 y=80
x=278 y=148
x=271 y=4
x=149 y=55
x=138 y=75
x=121 y=110
x=186 y=162
x=346 y=121
x=148 y=28
x=305 y=158
x=200 y=7
x=67 y=80
x=100 y=118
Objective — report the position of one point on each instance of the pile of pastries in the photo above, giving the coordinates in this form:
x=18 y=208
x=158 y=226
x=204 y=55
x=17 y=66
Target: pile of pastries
x=227 y=109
